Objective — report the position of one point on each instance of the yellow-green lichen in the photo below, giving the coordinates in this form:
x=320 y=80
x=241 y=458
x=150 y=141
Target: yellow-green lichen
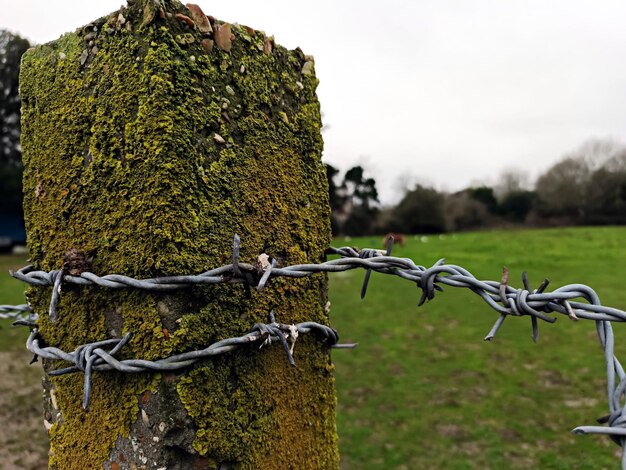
x=83 y=439
x=122 y=161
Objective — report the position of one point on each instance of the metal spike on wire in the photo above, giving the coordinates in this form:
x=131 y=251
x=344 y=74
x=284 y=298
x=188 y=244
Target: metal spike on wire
x=368 y=273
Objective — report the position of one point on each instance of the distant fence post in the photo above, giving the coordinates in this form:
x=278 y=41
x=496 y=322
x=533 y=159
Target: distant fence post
x=150 y=137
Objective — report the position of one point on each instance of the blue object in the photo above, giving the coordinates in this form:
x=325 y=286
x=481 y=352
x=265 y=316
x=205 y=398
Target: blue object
x=12 y=231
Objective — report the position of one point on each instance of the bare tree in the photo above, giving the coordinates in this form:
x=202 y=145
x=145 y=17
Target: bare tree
x=511 y=180
x=585 y=184
x=597 y=152
x=561 y=190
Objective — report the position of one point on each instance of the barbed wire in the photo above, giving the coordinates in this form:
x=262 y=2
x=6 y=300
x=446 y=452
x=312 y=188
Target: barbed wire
x=499 y=295
x=18 y=313
x=514 y=301
x=100 y=355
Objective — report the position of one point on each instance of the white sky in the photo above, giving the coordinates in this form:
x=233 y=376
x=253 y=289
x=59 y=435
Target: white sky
x=447 y=92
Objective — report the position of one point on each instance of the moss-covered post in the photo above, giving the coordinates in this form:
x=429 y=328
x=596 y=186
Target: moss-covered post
x=150 y=137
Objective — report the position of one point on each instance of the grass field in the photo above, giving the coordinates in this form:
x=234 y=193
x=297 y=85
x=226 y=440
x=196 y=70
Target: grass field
x=423 y=390
x=11 y=293
x=23 y=439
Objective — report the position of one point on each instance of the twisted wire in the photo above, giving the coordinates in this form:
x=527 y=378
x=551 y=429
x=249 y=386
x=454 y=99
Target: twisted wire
x=499 y=295
x=100 y=355
x=21 y=314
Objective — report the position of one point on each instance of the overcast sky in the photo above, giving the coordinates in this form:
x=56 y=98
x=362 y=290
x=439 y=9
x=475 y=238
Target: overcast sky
x=444 y=92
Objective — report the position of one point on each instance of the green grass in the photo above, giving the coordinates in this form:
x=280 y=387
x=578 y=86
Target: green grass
x=11 y=293
x=23 y=439
x=423 y=390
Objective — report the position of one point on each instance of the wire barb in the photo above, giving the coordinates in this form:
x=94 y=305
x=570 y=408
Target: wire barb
x=368 y=272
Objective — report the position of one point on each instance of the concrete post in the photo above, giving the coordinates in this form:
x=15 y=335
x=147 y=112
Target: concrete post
x=150 y=137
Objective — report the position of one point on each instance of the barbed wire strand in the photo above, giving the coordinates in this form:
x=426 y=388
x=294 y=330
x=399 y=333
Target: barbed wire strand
x=99 y=355
x=18 y=313
x=500 y=296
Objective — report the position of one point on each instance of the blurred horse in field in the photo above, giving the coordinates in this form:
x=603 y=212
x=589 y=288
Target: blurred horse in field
x=398 y=239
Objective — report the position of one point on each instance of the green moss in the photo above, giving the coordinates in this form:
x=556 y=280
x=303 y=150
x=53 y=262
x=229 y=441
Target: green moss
x=83 y=440
x=122 y=162
x=243 y=420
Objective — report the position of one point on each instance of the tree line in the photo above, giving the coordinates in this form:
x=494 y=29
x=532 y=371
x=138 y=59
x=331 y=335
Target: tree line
x=585 y=187
x=12 y=47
